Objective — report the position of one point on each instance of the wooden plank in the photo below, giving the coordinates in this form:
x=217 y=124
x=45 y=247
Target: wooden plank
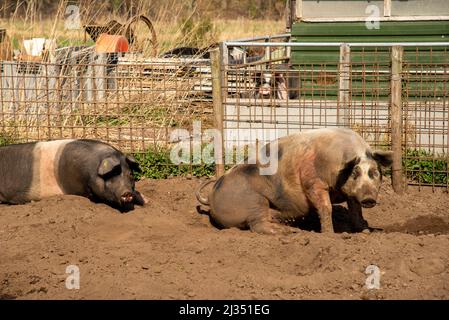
x=396 y=119
x=217 y=93
x=387 y=8
x=298 y=11
x=344 y=82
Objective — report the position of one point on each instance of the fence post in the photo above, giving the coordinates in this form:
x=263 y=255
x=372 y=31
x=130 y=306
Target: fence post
x=396 y=118
x=95 y=78
x=217 y=95
x=343 y=85
x=100 y=75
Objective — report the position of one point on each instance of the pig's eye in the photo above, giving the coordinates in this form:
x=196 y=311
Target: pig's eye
x=355 y=174
x=373 y=173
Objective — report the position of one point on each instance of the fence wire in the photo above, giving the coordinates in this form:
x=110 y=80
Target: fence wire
x=280 y=95
x=134 y=104
x=140 y=105
x=426 y=117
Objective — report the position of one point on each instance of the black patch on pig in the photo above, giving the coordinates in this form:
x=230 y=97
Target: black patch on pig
x=345 y=173
x=249 y=169
x=370 y=156
x=16 y=172
x=76 y=162
x=78 y=165
x=78 y=173
x=218 y=183
x=382 y=159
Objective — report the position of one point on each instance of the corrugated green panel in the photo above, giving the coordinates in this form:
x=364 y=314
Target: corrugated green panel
x=374 y=49
x=371 y=38
x=331 y=58
x=343 y=29
x=374 y=89
x=371 y=59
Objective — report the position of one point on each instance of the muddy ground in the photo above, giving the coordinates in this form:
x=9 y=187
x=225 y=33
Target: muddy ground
x=167 y=250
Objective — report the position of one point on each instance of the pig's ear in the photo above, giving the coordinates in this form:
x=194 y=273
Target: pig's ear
x=384 y=158
x=133 y=164
x=108 y=165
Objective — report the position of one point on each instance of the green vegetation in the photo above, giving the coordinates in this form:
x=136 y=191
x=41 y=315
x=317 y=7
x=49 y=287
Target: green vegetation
x=424 y=167
x=419 y=165
x=156 y=164
x=6 y=139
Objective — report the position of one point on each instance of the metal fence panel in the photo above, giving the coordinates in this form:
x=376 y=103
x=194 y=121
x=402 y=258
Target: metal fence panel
x=273 y=97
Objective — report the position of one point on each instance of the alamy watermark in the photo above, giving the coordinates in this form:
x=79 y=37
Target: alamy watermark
x=72 y=18
x=373 y=279
x=373 y=20
x=247 y=146
x=73 y=280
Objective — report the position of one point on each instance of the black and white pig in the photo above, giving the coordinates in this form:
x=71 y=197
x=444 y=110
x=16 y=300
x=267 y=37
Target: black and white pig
x=88 y=168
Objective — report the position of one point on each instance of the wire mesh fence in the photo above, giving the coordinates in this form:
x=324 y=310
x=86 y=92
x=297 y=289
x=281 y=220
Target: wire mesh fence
x=133 y=103
x=267 y=89
x=344 y=85
x=426 y=117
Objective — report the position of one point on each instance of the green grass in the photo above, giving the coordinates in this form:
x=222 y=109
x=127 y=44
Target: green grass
x=156 y=164
x=6 y=139
x=150 y=116
x=419 y=165
x=424 y=167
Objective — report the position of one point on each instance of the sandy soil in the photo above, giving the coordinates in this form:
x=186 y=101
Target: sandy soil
x=167 y=250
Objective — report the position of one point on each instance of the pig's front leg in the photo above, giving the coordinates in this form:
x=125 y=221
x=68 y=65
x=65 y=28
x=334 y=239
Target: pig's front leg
x=317 y=192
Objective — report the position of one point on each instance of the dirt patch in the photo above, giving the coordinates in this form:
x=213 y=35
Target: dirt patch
x=421 y=225
x=169 y=251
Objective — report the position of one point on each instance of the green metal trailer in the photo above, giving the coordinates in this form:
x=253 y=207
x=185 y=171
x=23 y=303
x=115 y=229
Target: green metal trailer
x=352 y=21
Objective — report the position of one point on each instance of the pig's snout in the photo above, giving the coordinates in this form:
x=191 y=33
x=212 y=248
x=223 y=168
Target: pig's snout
x=127 y=198
x=265 y=90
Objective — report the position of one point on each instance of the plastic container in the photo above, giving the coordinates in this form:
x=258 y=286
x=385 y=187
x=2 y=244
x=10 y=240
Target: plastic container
x=107 y=43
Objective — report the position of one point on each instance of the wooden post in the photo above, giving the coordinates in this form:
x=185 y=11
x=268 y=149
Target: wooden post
x=100 y=76
x=387 y=8
x=217 y=94
x=290 y=8
x=396 y=118
x=343 y=85
x=298 y=11
x=95 y=78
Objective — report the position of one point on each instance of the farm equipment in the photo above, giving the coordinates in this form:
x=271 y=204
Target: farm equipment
x=128 y=30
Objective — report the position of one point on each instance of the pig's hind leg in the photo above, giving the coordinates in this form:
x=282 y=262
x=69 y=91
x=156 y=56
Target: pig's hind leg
x=260 y=219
